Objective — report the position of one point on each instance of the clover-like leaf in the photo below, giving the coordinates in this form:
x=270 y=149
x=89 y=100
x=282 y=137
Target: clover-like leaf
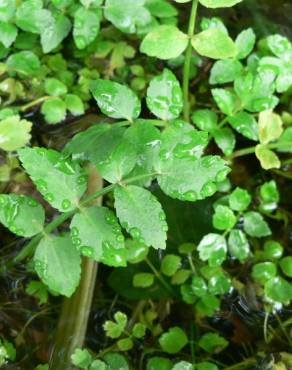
x=224 y=71
x=214 y=43
x=86 y=26
x=128 y=15
x=226 y=100
x=173 y=340
x=74 y=104
x=96 y=234
x=197 y=180
x=269 y=196
x=238 y=245
x=255 y=225
x=212 y=248
x=270 y=126
x=212 y=342
x=170 y=264
x=223 y=218
x=22 y=215
x=205 y=119
x=278 y=290
x=159 y=363
x=8 y=33
x=114 y=329
x=245 y=42
x=58 y=264
x=141 y=214
x=54 y=110
x=267 y=157
x=264 y=271
x=164 y=42
x=143 y=280
x=116 y=100
x=61 y=181
x=24 y=62
x=245 y=124
x=28 y=14
x=81 y=358
x=164 y=96
x=14 y=133
x=239 y=199
x=225 y=139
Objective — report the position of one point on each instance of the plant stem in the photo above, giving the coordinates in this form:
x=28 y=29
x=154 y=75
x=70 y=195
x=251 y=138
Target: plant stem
x=33 y=103
x=30 y=247
x=250 y=150
x=246 y=364
x=187 y=63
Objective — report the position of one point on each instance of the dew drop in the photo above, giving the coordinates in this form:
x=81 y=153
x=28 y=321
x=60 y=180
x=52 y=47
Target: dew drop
x=13 y=228
x=49 y=197
x=120 y=238
x=81 y=180
x=20 y=232
x=74 y=231
x=162 y=216
x=41 y=151
x=32 y=202
x=66 y=204
x=87 y=251
x=76 y=241
x=2 y=200
x=125 y=225
x=110 y=219
x=208 y=189
x=190 y=196
x=41 y=185
x=221 y=175
x=135 y=232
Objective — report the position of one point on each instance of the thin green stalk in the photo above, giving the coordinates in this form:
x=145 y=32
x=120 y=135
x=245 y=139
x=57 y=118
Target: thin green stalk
x=187 y=63
x=251 y=150
x=33 y=103
x=246 y=364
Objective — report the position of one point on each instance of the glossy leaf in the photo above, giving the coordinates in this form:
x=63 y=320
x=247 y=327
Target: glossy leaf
x=58 y=264
x=143 y=280
x=278 y=290
x=238 y=245
x=164 y=42
x=225 y=139
x=269 y=196
x=245 y=42
x=8 y=33
x=22 y=215
x=267 y=157
x=159 y=363
x=226 y=100
x=55 y=87
x=224 y=218
x=86 y=26
x=219 y=3
x=61 y=181
x=224 y=71
x=205 y=120
x=170 y=264
x=245 y=124
x=115 y=100
x=212 y=342
x=270 y=126
x=212 y=248
x=286 y=266
x=24 y=62
x=96 y=234
x=142 y=215
x=173 y=340
x=114 y=329
x=27 y=15
x=239 y=199
x=74 y=104
x=164 y=96
x=198 y=177
x=54 y=110
x=214 y=43
x=255 y=225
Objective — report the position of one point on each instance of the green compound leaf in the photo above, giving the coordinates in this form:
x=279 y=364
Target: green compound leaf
x=270 y=126
x=55 y=87
x=54 y=110
x=61 y=181
x=245 y=124
x=214 y=43
x=74 y=104
x=115 y=100
x=22 y=215
x=245 y=42
x=160 y=363
x=263 y=272
x=213 y=248
x=24 y=62
x=53 y=29
x=143 y=280
x=58 y=264
x=14 y=133
x=170 y=264
x=28 y=14
x=212 y=343
x=239 y=199
x=219 y=283
x=86 y=26
x=114 y=329
x=127 y=15
x=226 y=100
x=96 y=234
x=278 y=290
x=267 y=157
x=164 y=42
x=224 y=218
x=280 y=46
x=255 y=225
x=225 y=139
x=219 y=3
x=205 y=120
x=81 y=358
x=164 y=96
x=198 y=177
x=173 y=340
x=8 y=33
x=238 y=245
x=286 y=265
x=142 y=215
x=224 y=71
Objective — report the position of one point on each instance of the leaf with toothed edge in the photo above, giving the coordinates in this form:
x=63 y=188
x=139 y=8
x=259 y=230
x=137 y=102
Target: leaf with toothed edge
x=22 y=215
x=58 y=264
x=61 y=181
x=96 y=234
x=191 y=179
x=142 y=215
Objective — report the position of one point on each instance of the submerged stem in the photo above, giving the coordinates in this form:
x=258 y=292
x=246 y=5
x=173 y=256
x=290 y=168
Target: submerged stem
x=187 y=63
